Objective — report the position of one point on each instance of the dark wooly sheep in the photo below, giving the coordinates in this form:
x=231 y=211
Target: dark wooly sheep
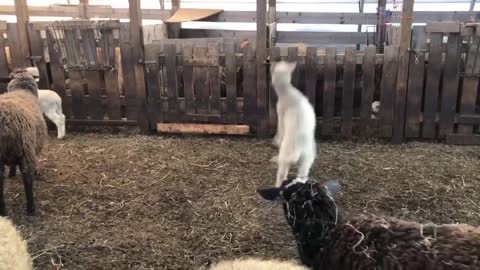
x=326 y=241
x=23 y=132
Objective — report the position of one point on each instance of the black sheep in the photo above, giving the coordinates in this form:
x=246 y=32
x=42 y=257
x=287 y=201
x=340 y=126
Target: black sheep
x=325 y=241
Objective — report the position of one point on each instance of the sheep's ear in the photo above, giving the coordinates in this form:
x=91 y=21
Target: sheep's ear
x=333 y=187
x=269 y=193
x=292 y=66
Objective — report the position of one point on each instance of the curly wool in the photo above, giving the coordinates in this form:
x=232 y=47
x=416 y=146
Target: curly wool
x=372 y=241
x=21 y=81
x=256 y=264
x=13 y=249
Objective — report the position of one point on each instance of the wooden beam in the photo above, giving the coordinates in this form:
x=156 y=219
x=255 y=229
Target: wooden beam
x=203 y=128
x=461 y=139
x=272 y=23
x=136 y=45
x=472 y=5
x=402 y=77
x=174 y=29
x=82 y=9
x=361 y=4
x=444 y=27
x=323 y=37
x=381 y=27
x=21 y=11
x=262 y=87
x=3 y=26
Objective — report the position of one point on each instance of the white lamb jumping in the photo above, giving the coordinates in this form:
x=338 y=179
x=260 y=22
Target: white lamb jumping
x=51 y=104
x=296 y=124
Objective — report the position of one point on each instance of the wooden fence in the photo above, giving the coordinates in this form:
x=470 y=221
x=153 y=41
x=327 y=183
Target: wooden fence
x=215 y=81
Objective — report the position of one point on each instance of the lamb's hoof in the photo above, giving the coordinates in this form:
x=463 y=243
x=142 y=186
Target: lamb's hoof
x=274 y=159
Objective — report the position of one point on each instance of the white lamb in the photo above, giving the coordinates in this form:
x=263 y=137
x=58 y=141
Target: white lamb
x=13 y=249
x=296 y=125
x=256 y=264
x=51 y=104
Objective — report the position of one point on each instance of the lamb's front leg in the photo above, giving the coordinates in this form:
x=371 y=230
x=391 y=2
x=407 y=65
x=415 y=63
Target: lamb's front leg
x=277 y=140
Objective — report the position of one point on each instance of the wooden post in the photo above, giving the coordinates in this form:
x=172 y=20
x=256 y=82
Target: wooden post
x=173 y=29
x=136 y=45
x=272 y=23
x=402 y=77
x=361 y=5
x=21 y=11
x=82 y=8
x=472 y=5
x=382 y=4
x=262 y=90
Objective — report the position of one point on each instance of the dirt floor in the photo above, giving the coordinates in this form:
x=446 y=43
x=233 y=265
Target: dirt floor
x=124 y=201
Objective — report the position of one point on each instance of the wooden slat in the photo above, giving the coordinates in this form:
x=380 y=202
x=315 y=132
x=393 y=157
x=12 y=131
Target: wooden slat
x=250 y=85
x=16 y=57
x=111 y=80
x=293 y=57
x=201 y=82
x=261 y=53
x=231 y=81
x=58 y=76
x=188 y=81
x=36 y=45
x=153 y=85
x=470 y=84
x=324 y=37
x=443 y=27
x=77 y=94
x=94 y=84
x=203 y=128
x=415 y=83
x=128 y=72
x=171 y=67
x=329 y=91
x=450 y=86
x=463 y=139
x=368 y=88
x=387 y=92
x=432 y=86
x=23 y=46
x=4 y=70
x=208 y=33
x=214 y=80
x=311 y=75
x=348 y=92
x=465 y=119
x=274 y=57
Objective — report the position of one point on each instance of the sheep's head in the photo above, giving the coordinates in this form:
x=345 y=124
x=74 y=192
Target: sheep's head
x=305 y=199
x=281 y=72
x=34 y=72
x=22 y=80
x=310 y=211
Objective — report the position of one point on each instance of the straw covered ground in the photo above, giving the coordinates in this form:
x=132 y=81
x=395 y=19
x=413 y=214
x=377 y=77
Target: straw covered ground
x=125 y=201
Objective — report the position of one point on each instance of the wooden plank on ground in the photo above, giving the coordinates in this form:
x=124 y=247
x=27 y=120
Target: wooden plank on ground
x=387 y=92
x=111 y=80
x=214 y=80
x=172 y=91
x=329 y=91
x=470 y=84
x=348 y=91
x=58 y=77
x=450 y=86
x=202 y=93
x=128 y=73
x=415 y=82
x=231 y=81
x=188 y=81
x=462 y=139
x=76 y=84
x=434 y=69
x=368 y=89
x=311 y=72
x=272 y=96
x=250 y=85
x=203 y=128
x=293 y=57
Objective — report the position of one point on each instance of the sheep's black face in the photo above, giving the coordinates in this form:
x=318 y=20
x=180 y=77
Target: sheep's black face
x=310 y=211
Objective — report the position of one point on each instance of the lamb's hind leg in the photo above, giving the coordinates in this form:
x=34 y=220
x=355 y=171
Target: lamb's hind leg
x=282 y=172
x=306 y=162
x=59 y=121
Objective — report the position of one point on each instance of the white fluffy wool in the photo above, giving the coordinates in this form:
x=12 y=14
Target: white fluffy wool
x=13 y=249
x=256 y=264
